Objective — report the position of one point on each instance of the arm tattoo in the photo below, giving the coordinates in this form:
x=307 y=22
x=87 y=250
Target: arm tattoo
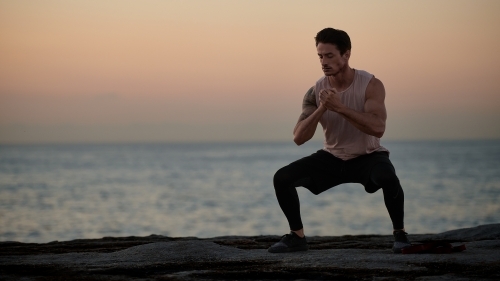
x=308 y=104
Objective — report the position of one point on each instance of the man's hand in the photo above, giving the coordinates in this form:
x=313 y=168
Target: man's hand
x=330 y=99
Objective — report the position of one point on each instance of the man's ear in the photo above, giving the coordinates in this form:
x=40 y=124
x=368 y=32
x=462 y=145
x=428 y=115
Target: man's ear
x=347 y=54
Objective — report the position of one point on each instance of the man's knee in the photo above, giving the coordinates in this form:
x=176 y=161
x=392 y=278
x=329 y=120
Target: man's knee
x=287 y=177
x=282 y=178
x=384 y=176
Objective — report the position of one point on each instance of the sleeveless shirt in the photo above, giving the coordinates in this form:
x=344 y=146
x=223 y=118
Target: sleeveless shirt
x=342 y=139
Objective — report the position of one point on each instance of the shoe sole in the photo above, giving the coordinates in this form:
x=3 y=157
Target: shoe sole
x=399 y=250
x=288 y=250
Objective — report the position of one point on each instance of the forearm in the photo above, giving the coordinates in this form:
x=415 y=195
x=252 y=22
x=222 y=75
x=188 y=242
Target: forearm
x=367 y=123
x=305 y=129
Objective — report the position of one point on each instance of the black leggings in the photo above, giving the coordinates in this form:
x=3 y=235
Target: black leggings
x=321 y=171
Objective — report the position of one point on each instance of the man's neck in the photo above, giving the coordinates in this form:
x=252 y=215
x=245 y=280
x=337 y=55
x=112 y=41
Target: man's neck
x=342 y=80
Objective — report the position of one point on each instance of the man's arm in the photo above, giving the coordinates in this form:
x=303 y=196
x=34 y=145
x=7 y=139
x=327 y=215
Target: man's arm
x=308 y=120
x=372 y=120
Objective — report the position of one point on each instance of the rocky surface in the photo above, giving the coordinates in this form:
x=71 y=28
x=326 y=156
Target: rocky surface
x=358 y=257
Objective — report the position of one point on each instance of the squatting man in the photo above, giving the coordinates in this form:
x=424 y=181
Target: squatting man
x=349 y=105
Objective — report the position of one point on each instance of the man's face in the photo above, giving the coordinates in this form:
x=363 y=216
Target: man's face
x=331 y=60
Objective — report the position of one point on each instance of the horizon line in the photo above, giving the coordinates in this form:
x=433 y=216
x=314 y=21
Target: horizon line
x=193 y=142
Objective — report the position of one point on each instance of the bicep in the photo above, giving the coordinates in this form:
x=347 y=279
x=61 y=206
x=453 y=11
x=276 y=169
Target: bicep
x=308 y=104
x=375 y=99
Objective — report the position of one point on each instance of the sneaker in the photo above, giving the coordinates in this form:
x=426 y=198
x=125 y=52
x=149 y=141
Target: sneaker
x=400 y=241
x=289 y=243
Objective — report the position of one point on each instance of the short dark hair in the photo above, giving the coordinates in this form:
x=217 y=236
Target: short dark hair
x=336 y=37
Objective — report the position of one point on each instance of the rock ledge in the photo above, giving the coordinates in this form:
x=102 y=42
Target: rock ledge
x=155 y=257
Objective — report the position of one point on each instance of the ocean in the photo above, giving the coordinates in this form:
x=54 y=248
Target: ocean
x=73 y=191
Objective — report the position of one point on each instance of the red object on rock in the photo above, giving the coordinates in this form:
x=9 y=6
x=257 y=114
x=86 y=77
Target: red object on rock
x=433 y=248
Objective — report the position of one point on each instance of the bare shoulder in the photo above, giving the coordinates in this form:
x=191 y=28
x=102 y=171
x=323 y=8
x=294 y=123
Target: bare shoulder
x=375 y=89
x=375 y=99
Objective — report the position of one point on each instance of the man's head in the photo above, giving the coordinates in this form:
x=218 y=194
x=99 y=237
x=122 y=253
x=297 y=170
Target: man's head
x=335 y=37
x=334 y=50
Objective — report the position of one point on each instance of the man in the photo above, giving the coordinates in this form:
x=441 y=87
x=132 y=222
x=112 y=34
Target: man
x=349 y=105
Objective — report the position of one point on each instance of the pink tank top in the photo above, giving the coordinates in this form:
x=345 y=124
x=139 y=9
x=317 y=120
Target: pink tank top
x=342 y=139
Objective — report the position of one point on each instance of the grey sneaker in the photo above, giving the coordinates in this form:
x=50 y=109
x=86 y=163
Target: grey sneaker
x=400 y=241
x=289 y=243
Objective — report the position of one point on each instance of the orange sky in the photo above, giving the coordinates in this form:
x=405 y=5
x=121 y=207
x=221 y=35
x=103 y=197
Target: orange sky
x=131 y=71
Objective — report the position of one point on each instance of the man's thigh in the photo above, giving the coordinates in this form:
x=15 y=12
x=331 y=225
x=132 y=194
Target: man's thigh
x=359 y=169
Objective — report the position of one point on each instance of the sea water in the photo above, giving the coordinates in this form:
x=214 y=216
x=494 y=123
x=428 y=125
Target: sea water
x=65 y=192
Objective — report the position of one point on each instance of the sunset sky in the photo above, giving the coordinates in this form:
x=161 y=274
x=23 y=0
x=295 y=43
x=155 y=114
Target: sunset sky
x=158 y=71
